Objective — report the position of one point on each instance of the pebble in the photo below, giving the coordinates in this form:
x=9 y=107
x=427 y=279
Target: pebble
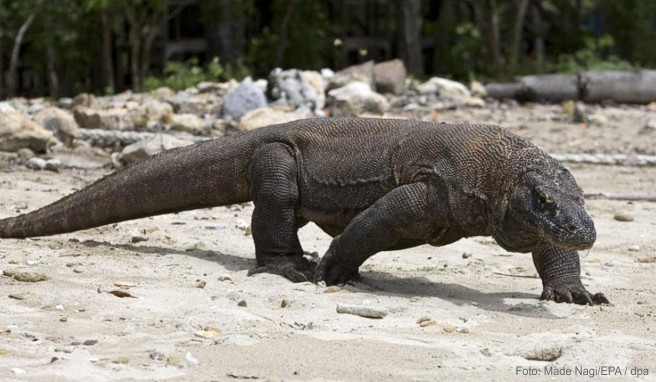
x=10 y=272
x=63 y=319
x=17 y=370
x=209 y=332
x=125 y=284
x=466 y=255
x=14 y=262
x=362 y=310
x=17 y=296
x=634 y=248
x=225 y=278
x=424 y=324
x=332 y=289
x=30 y=277
x=415 y=298
x=449 y=328
x=198 y=246
x=623 y=217
x=59 y=307
x=201 y=284
x=284 y=303
x=191 y=360
x=157 y=356
x=137 y=236
x=174 y=359
x=242 y=303
x=424 y=318
x=464 y=330
x=90 y=342
x=121 y=360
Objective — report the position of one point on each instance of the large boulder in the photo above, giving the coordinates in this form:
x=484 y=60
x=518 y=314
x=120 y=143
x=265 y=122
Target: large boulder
x=266 y=116
x=107 y=119
x=390 y=77
x=17 y=132
x=244 y=98
x=60 y=122
x=298 y=88
x=150 y=112
x=449 y=90
x=198 y=104
x=190 y=123
x=356 y=99
x=356 y=73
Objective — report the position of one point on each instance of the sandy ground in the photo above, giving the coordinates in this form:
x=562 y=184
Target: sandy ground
x=488 y=322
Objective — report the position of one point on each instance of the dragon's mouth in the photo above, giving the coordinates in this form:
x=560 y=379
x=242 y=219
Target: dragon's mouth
x=562 y=237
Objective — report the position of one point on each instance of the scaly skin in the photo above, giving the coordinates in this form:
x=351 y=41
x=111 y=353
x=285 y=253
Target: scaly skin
x=372 y=184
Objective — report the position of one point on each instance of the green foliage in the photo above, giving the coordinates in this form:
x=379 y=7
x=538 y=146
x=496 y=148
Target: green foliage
x=183 y=75
x=466 y=50
x=596 y=55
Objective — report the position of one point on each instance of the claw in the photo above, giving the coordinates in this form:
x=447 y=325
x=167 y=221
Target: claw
x=600 y=298
x=572 y=293
x=294 y=268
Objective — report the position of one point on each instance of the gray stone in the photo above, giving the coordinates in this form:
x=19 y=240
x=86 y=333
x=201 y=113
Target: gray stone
x=189 y=123
x=362 y=310
x=140 y=150
x=150 y=112
x=17 y=132
x=297 y=88
x=60 y=122
x=356 y=99
x=390 y=77
x=356 y=73
x=266 y=116
x=104 y=119
x=242 y=99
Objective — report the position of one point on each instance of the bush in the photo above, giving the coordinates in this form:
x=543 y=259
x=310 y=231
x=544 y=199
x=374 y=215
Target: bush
x=183 y=75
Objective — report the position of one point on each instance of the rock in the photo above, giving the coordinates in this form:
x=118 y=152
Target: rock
x=208 y=332
x=140 y=150
x=598 y=119
x=197 y=104
x=30 y=277
x=449 y=328
x=201 y=284
x=190 y=123
x=121 y=360
x=149 y=113
x=634 y=248
x=355 y=99
x=362 y=310
x=125 y=284
x=477 y=89
x=162 y=93
x=424 y=324
x=191 y=360
x=449 y=90
x=623 y=217
x=137 y=236
x=297 y=88
x=25 y=153
x=548 y=354
x=174 y=359
x=242 y=303
x=85 y=100
x=332 y=289
x=284 y=303
x=389 y=77
x=18 y=371
x=36 y=163
x=17 y=296
x=89 y=342
x=225 y=278
x=157 y=356
x=60 y=122
x=104 y=119
x=242 y=99
x=266 y=116
x=650 y=126
x=356 y=73
x=424 y=318
x=17 y=132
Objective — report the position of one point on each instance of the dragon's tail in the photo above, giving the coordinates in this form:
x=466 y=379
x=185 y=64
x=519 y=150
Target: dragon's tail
x=206 y=174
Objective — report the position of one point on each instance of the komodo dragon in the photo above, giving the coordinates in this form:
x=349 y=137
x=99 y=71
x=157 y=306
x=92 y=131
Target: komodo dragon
x=372 y=184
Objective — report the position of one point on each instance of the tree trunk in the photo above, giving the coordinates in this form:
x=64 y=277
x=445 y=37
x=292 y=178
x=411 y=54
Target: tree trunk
x=442 y=48
x=107 y=59
x=284 y=31
x=410 y=24
x=53 y=77
x=520 y=7
x=12 y=80
x=538 y=30
x=493 y=33
x=2 y=67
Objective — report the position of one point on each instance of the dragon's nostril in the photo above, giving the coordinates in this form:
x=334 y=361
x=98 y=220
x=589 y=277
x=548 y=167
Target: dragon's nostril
x=571 y=228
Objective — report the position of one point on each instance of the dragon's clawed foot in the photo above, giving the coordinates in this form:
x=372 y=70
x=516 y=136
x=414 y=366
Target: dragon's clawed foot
x=571 y=292
x=333 y=273
x=295 y=268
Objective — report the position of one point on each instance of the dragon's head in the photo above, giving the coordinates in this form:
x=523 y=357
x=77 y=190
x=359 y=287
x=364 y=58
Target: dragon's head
x=550 y=206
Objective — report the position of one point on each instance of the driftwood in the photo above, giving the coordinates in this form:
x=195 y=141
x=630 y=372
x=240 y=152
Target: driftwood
x=617 y=86
x=623 y=197
x=113 y=138
x=608 y=159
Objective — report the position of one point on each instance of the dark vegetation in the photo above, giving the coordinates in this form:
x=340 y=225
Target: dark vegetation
x=63 y=47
